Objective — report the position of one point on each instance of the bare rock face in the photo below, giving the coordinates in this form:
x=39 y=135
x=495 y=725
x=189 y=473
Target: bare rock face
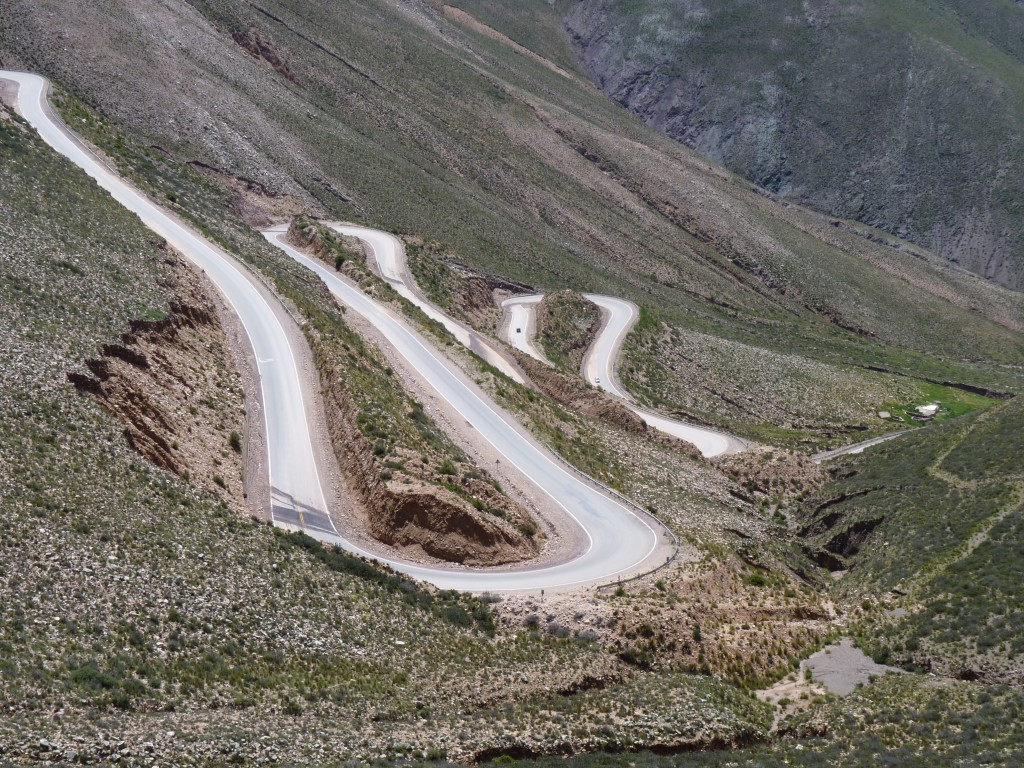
x=479 y=294
x=254 y=43
x=444 y=528
x=409 y=507
x=823 y=106
x=173 y=384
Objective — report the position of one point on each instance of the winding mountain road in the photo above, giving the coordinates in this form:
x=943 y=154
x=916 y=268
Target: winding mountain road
x=390 y=257
x=621 y=541
x=618 y=318
x=519 y=326
x=519 y=330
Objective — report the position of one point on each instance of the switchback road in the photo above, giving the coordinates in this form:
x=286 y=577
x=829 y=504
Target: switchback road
x=621 y=541
x=618 y=318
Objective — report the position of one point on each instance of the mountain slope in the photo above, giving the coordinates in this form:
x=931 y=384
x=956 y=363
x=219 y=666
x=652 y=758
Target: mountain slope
x=421 y=140
x=409 y=117
x=902 y=114
x=398 y=116
x=938 y=519
x=133 y=597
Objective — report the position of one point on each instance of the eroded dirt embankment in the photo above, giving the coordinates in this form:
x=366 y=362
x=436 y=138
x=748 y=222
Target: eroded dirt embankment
x=326 y=245
x=407 y=513
x=172 y=382
x=418 y=497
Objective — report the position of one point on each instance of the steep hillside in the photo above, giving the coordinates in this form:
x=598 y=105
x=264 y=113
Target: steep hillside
x=430 y=124
x=903 y=114
x=935 y=520
x=566 y=326
x=142 y=619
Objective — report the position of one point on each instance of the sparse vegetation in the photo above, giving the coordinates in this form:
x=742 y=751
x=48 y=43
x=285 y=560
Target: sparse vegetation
x=515 y=169
x=566 y=325
x=934 y=523
x=140 y=600
x=134 y=603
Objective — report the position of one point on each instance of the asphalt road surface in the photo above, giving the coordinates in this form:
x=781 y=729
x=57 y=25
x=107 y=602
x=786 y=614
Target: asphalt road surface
x=520 y=325
x=390 y=257
x=294 y=480
x=860 y=447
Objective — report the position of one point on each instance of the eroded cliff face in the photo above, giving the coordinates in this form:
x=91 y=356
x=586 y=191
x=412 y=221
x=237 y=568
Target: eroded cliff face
x=877 y=114
x=173 y=383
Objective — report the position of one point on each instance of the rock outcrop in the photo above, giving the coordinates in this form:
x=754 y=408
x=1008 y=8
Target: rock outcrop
x=832 y=107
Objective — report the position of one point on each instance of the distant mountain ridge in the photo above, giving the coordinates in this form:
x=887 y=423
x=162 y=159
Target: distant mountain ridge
x=904 y=115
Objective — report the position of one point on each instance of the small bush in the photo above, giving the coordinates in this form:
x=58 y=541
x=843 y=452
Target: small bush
x=89 y=676
x=558 y=630
x=636 y=657
x=757 y=580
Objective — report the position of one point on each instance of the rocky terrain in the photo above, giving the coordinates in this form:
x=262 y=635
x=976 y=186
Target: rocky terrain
x=579 y=397
x=144 y=620
x=935 y=523
x=173 y=382
x=777 y=397
x=514 y=168
x=773 y=472
x=464 y=293
x=898 y=115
